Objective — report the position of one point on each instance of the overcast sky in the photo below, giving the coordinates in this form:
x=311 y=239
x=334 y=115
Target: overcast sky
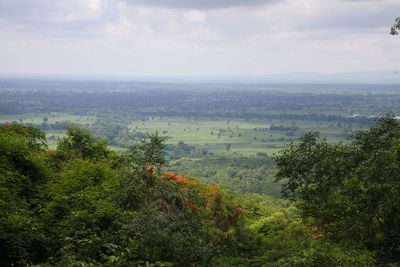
x=197 y=37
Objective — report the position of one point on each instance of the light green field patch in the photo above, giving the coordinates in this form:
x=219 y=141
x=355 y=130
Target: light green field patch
x=247 y=137
x=50 y=118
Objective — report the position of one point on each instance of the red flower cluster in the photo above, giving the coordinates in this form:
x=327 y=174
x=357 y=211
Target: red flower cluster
x=150 y=170
x=178 y=179
x=191 y=205
x=313 y=232
x=190 y=185
x=14 y=127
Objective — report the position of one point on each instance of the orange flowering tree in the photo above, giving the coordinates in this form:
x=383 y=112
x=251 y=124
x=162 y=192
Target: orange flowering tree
x=34 y=137
x=181 y=219
x=223 y=215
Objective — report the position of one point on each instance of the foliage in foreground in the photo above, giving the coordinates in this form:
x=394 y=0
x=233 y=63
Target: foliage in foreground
x=394 y=30
x=350 y=191
x=238 y=173
x=84 y=205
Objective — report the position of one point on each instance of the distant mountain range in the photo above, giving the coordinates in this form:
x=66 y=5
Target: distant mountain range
x=358 y=77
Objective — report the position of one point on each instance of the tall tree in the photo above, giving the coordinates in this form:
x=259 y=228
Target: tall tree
x=22 y=171
x=350 y=190
x=394 y=30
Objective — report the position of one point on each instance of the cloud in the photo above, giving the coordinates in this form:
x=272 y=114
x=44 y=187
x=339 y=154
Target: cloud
x=195 y=16
x=77 y=17
x=350 y=15
x=43 y=15
x=201 y=4
x=196 y=37
x=380 y=1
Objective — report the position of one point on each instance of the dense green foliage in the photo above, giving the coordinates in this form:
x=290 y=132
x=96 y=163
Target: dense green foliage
x=394 y=30
x=350 y=191
x=84 y=204
x=22 y=171
x=238 y=173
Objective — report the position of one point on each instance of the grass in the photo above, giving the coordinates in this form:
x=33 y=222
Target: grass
x=239 y=133
x=52 y=118
x=247 y=137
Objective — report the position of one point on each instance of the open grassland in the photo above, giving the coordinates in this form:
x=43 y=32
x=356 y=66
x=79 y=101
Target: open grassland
x=240 y=136
x=237 y=135
x=50 y=118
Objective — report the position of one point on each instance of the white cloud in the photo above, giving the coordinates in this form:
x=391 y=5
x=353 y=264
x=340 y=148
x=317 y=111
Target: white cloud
x=201 y=4
x=117 y=37
x=195 y=16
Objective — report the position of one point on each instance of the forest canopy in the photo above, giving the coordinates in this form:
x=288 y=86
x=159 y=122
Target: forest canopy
x=350 y=191
x=83 y=204
x=394 y=30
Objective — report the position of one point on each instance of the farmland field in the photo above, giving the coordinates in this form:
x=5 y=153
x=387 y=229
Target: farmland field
x=247 y=137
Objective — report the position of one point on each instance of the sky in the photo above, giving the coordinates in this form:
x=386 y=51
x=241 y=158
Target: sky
x=197 y=37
